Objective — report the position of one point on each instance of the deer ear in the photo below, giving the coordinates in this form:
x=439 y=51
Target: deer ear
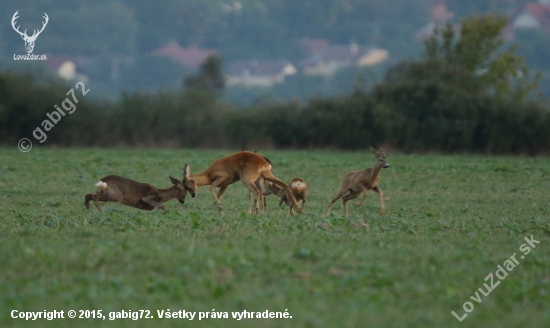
x=186 y=172
x=174 y=181
x=373 y=150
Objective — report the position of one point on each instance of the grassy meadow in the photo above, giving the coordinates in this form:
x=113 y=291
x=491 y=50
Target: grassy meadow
x=451 y=220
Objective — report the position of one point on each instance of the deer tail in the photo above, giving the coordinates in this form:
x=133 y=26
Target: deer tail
x=298 y=184
x=101 y=186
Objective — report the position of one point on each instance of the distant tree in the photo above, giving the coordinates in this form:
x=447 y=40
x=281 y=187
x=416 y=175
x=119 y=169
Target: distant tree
x=199 y=104
x=472 y=60
x=210 y=77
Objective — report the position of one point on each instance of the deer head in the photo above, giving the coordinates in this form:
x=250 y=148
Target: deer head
x=29 y=40
x=189 y=183
x=380 y=155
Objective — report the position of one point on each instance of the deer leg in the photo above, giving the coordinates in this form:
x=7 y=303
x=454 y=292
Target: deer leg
x=259 y=201
x=303 y=204
x=281 y=199
x=341 y=193
x=221 y=191
x=250 y=201
x=381 y=194
x=289 y=202
x=108 y=195
x=153 y=201
x=255 y=191
x=96 y=199
x=87 y=200
x=263 y=198
x=365 y=186
x=363 y=199
x=352 y=195
x=263 y=201
x=217 y=197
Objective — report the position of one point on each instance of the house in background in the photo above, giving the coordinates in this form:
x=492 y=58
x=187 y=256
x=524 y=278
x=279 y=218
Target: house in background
x=325 y=59
x=67 y=68
x=258 y=73
x=439 y=17
x=190 y=58
x=531 y=16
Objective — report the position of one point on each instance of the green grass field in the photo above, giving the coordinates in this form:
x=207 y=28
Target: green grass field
x=450 y=222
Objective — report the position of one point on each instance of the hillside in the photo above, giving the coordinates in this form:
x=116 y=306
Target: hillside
x=114 y=43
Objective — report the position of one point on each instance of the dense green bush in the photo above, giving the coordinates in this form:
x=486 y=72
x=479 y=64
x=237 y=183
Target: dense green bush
x=407 y=116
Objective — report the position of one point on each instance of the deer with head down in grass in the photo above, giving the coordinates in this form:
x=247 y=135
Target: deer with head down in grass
x=298 y=188
x=361 y=181
x=143 y=196
x=246 y=166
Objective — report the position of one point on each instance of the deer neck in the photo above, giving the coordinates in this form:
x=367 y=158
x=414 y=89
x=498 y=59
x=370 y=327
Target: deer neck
x=373 y=172
x=278 y=191
x=167 y=194
x=201 y=179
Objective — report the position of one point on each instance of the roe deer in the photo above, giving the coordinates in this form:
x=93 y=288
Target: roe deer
x=357 y=182
x=144 y=196
x=243 y=165
x=299 y=191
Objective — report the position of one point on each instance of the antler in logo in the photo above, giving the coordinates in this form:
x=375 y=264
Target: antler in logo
x=29 y=40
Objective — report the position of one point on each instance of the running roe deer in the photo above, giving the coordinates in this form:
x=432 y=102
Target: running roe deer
x=357 y=182
x=299 y=191
x=244 y=165
x=143 y=196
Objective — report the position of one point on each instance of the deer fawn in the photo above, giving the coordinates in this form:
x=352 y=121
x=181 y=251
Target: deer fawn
x=245 y=166
x=357 y=182
x=299 y=191
x=144 y=196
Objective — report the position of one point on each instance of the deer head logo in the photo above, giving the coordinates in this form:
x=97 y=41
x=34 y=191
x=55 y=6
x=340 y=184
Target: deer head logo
x=29 y=40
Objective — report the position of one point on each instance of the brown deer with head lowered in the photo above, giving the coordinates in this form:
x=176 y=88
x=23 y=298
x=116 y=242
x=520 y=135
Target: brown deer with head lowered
x=299 y=191
x=244 y=165
x=143 y=196
x=357 y=182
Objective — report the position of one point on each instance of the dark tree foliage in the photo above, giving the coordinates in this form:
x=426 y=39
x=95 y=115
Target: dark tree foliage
x=210 y=78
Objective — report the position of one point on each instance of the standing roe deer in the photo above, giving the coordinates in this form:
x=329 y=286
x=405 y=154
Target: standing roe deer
x=143 y=196
x=299 y=191
x=357 y=182
x=245 y=166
